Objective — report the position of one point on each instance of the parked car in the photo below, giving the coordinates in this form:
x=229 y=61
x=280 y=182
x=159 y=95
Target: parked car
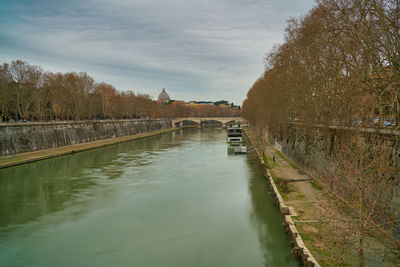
x=356 y=121
x=389 y=123
x=373 y=121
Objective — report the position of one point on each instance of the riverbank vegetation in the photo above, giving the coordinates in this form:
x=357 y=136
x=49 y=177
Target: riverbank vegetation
x=340 y=66
x=29 y=93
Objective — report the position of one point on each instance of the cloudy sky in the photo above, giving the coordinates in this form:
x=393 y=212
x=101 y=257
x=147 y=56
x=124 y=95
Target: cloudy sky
x=196 y=49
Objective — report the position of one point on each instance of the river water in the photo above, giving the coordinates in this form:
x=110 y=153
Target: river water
x=177 y=199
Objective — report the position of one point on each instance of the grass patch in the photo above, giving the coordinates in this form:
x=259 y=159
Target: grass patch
x=269 y=162
x=285 y=158
x=300 y=212
x=279 y=187
x=320 y=251
x=299 y=196
x=283 y=185
x=306 y=237
x=315 y=185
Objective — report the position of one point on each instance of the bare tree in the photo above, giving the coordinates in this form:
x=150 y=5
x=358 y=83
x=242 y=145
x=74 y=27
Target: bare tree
x=366 y=179
x=26 y=78
x=5 y=91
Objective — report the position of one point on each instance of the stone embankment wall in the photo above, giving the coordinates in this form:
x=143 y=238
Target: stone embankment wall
x=25 y=137
x=313 y=147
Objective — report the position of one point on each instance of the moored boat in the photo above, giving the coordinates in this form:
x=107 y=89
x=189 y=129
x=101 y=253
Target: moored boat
x=234 y=133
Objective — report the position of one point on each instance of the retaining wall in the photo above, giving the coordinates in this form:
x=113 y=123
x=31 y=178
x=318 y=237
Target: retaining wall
x=312 y=148
x=26 y=137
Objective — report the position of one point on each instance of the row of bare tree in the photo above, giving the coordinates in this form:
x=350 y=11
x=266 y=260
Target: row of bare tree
x=29 y=93
x=340 y=62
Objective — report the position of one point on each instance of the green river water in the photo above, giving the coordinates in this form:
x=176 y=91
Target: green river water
x=177 y=199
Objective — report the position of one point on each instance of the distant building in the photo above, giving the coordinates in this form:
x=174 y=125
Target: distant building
x=181 y=102
x=163 y=97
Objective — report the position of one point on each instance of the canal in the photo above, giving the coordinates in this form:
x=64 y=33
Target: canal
x=177 y=199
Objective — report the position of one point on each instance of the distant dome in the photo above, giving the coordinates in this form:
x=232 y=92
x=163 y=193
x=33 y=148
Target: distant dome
x=163 y=97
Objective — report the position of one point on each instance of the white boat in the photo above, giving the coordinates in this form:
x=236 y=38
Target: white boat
x=234 y=133
x=240 y=150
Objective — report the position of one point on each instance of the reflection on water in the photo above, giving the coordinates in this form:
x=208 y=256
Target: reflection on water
x=171 y=200
x=261 y=220
x=36 y=189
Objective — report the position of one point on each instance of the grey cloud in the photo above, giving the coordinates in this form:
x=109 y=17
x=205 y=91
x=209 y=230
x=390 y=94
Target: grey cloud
x=198 y=49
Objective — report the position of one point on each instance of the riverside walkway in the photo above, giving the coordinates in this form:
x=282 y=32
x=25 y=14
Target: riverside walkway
x=319 y=219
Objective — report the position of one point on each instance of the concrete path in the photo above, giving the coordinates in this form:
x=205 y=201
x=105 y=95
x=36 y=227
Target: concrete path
x=319 y=219
x=297 y=180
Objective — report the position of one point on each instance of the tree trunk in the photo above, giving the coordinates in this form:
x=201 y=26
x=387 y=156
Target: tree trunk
x=361 y=222
x=361 y=246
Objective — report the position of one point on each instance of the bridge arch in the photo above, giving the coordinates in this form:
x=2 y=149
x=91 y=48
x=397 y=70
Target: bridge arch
x=186 y=122
x=206 y=122
x=181 y=122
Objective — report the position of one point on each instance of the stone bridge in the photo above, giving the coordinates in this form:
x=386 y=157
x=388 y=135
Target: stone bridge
x=180 y=122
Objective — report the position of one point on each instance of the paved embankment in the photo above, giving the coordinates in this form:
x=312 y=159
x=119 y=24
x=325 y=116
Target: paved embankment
x=320 y=220
x=8 y=161
x=299 y=250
